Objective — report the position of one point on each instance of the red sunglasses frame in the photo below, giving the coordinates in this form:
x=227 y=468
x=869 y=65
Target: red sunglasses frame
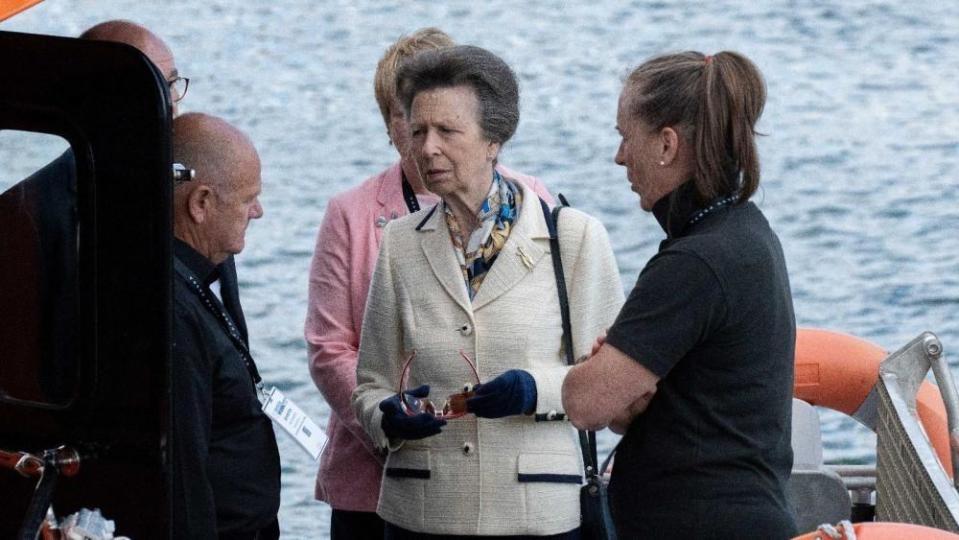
x=455 y=405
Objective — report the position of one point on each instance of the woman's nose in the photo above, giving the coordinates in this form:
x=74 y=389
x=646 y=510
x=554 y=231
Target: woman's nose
x=431 y=146
x=618 y=158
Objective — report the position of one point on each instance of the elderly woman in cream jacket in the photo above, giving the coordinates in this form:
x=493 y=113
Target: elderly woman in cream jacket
x=470 y=283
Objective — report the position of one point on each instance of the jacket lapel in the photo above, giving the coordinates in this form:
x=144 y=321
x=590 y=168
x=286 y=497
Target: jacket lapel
x=524 y=249
x=438 y=250
x=230 y=294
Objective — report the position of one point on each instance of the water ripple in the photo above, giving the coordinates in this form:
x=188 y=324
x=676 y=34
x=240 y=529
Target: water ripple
x=860 y=157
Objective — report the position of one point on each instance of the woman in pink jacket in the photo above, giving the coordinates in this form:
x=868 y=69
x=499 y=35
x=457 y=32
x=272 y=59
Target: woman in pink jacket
x=343 y=262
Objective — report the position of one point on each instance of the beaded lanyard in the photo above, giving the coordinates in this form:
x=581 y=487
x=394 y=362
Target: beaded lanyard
x=715 y=205
x=225 y=321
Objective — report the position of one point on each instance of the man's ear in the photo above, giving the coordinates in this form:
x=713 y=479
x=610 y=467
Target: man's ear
x=669 y=145
x=199 y=203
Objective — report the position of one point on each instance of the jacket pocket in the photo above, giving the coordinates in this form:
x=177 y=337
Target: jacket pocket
x=403 y=492
x=551 y=485
x=409 y=463
x=549 y=468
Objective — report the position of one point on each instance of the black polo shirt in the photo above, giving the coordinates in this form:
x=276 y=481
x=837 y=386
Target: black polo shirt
x=711 y=314
x=226 y=466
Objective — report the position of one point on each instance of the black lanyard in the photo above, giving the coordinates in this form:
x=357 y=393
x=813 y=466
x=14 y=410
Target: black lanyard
x=409 y=196
x=215 y=307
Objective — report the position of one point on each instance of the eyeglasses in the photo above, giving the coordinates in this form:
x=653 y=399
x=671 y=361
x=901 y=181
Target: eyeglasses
x=455 y=405
x=178 y=87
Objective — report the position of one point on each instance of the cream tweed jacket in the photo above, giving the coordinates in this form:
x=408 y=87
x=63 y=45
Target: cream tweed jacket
x=518 y=475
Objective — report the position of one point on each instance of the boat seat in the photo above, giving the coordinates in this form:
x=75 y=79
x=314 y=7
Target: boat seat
x=816 y=494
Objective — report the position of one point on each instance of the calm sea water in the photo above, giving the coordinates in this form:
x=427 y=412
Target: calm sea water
x=860 y=157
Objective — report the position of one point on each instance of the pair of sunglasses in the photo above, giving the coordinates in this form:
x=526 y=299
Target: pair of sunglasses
x=453 y=407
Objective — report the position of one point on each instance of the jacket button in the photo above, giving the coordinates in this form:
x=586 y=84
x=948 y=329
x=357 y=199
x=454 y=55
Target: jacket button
x=467 y=448
x=465 y=330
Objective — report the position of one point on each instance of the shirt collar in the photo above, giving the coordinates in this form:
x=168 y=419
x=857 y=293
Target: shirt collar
x=672 y=211
x=675 y=211
x=201 y=267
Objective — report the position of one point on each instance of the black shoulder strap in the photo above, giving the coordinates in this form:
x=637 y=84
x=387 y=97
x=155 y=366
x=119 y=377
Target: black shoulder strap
x=587 y=439
x=552 y=223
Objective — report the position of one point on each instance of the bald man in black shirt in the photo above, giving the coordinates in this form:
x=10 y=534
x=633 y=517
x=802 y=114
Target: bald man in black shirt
x=226 y=468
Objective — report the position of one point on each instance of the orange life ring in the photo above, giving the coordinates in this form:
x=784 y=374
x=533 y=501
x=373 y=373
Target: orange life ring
x=882 y=531
x=838 y=371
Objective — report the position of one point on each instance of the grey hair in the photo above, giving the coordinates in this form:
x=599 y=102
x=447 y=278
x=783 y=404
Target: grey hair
x=487 y=74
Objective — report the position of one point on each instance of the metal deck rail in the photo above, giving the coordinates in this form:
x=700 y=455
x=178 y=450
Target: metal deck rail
x=911 y=485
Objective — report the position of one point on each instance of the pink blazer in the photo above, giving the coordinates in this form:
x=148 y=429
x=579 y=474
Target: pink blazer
x=343 y=263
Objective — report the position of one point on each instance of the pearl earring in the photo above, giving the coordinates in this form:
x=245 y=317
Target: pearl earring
x=662 y=163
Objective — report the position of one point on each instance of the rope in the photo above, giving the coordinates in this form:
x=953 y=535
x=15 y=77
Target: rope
x=842 y=531
x=65 y=459
x=49 y=466
x=42 y=495
x=22 y=462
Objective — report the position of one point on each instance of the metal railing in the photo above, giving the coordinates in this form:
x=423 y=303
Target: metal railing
x=911 y=485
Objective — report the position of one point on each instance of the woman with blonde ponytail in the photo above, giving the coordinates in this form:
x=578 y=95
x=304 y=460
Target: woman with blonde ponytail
x=697 y=370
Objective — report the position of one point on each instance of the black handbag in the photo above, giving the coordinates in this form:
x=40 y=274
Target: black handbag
x=597 y=521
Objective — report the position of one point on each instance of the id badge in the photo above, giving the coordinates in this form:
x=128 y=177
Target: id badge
x=294 y=421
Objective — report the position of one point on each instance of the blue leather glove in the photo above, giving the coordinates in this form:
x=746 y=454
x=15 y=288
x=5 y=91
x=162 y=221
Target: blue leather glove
x=513 y=392
x=398 y=425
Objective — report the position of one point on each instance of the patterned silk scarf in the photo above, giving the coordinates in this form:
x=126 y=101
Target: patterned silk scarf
x=477 y=253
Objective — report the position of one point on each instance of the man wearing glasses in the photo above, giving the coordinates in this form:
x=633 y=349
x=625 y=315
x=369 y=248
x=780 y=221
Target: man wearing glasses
x=150 y=45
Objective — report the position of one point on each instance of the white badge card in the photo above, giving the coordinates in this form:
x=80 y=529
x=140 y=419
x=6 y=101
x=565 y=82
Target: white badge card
x=294 y=421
